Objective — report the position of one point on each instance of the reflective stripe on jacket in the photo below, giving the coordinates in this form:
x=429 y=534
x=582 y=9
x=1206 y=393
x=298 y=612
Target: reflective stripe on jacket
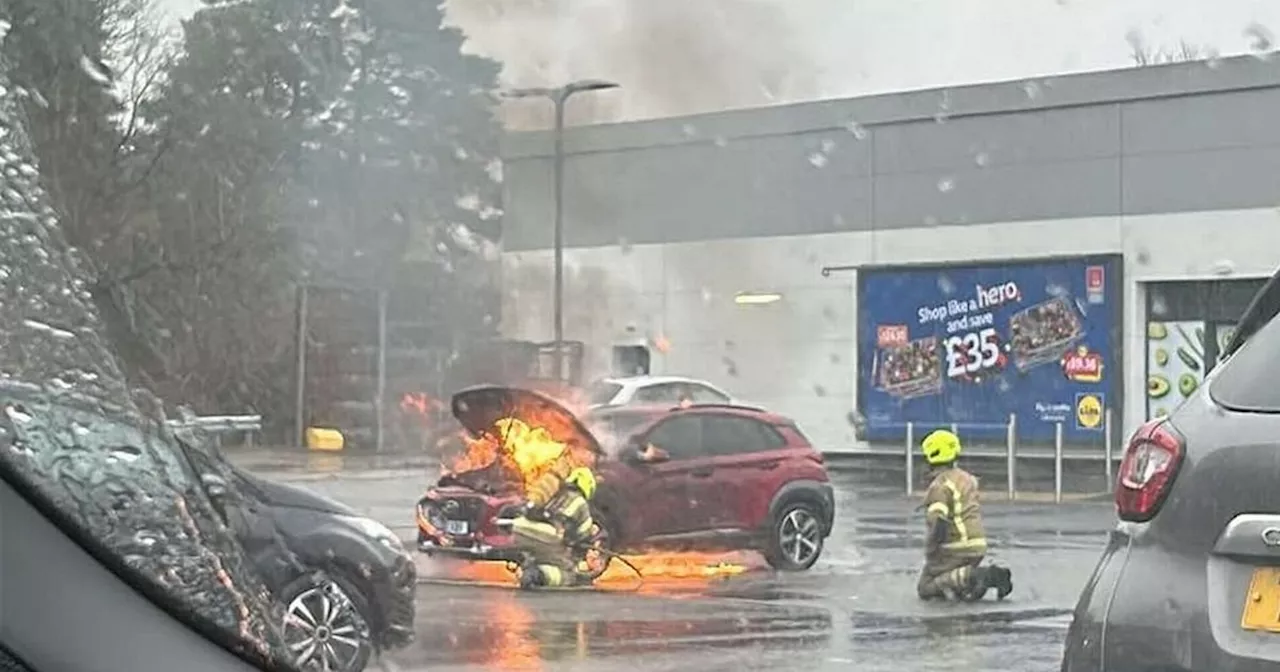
x=549 y=483
x=570 y=509
x=952 y=500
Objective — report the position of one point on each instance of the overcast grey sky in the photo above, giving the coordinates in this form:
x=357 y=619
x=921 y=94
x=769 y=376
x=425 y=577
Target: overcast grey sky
x=683 y=56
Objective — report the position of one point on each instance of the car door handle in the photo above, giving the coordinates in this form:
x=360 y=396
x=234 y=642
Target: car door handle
x=702 y=473
x=768 y=465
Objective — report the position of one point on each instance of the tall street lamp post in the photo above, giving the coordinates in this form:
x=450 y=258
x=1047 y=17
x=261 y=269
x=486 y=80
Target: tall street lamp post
x=559 y=96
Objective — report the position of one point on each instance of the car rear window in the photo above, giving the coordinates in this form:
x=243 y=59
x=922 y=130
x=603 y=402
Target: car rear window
x=1247 y=382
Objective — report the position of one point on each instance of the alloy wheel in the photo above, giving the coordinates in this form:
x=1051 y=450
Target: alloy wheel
x=799 y=536
x=324 y=629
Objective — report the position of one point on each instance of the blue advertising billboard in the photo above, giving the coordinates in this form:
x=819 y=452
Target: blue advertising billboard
x=974 y=344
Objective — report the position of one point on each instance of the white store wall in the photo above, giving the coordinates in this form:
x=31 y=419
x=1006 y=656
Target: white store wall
x=797 y=356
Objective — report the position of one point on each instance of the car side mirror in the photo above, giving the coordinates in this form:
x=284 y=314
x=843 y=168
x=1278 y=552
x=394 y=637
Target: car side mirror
x=656 y=455
x=641 y=452
x=214 y=485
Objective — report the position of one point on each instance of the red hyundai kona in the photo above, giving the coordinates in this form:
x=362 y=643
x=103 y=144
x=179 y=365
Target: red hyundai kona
x=693 y=477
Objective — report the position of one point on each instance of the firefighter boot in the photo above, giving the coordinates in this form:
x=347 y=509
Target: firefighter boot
x=980 y=581
x=1002 y=580
x=531 y=577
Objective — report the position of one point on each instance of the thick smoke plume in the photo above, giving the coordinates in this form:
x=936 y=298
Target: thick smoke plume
x=672 y=57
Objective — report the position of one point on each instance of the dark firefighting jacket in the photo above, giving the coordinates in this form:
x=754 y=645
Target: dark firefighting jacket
x=953 y=516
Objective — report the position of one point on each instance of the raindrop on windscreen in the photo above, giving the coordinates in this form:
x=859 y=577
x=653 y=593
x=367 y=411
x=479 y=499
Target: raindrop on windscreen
x=835 y=358
x=17 y=414
x=1261 y=40
x=124 y=454
x=1159 y=307
x=1213 y=58
x=21 y=447
x=624 y=245
x=828 y=146
x=818 y=159
x=730 y=367
x=946 y=184
x=720 y=141
x=689 y=130
x=820 y=390
x=981 y=159
x=945 y=285
x=707 y=296
x=1031 y=89
x=857 y=130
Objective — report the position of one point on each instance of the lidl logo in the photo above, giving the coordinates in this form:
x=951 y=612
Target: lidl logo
x=1089 y=411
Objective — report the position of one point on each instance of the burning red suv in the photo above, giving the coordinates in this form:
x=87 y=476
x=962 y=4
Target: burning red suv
x=699 y=477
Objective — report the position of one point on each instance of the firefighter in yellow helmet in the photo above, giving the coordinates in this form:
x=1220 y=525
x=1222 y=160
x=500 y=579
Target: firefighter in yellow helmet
x=555 y=529
x=955 y=542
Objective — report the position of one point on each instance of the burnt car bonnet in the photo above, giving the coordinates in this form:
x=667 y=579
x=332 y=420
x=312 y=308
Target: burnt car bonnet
x=478 y=408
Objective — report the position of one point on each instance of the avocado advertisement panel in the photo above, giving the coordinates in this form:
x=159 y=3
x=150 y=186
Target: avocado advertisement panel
x=973 y=344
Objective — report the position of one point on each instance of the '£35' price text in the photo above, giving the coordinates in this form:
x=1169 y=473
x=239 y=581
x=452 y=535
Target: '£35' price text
x=968 y=354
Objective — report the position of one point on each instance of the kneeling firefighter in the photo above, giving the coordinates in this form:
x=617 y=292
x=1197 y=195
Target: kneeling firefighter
x=955 y=543
x=556 y=530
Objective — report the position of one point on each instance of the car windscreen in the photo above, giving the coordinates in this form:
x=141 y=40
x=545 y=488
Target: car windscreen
x=1246 y=382
x=602 y=392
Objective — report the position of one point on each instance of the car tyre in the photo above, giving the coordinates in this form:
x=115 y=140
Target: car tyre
x=795 y=538
x=327 y=616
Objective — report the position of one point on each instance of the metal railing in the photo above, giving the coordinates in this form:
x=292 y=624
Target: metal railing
x=219 y=425
x=1011 y=453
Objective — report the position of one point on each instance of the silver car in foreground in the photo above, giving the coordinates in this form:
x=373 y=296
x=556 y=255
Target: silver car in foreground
x=1190 y=577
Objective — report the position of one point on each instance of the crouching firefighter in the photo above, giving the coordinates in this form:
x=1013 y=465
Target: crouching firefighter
x=955 y=543
x=555 y=531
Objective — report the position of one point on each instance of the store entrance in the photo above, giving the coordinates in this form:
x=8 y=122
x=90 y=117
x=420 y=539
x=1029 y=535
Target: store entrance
x=1188 y=327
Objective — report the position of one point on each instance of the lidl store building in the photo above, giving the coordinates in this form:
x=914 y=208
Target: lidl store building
x=1063 y=250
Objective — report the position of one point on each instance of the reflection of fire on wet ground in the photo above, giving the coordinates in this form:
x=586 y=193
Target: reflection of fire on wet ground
x=660 y=570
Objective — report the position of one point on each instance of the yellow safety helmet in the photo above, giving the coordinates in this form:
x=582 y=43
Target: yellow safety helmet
x=584 y=479
x=940 y=447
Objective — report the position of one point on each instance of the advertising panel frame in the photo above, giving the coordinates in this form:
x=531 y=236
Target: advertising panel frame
x=1115 y=295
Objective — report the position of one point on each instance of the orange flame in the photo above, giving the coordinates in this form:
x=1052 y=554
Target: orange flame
x=417 y=402
x=528 y=449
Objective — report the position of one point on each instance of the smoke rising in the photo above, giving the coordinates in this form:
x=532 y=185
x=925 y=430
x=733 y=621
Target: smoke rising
x=673 y=57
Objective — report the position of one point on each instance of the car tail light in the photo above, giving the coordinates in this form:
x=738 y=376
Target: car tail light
x=1147 y=471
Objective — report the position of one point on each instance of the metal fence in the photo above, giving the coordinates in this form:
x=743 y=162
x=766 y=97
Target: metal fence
x=363 y=357
x=1011 y=448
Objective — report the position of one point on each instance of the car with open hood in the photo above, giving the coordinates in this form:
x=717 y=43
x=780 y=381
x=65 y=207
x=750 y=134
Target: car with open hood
x=693 y=476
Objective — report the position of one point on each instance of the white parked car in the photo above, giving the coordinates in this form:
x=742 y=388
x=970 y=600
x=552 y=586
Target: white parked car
x=654 y=390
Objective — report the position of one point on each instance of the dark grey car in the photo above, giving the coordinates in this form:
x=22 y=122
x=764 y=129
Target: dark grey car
x=1190 y=578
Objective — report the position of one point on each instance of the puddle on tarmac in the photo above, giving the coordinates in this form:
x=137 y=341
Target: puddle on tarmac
x=508 y=630
x=957 y=621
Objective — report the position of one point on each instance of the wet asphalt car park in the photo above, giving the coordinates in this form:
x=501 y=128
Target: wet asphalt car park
x=856 y=606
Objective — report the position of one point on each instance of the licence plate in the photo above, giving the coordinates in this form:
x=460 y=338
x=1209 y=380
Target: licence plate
x=1262 y=601
x=455 y=526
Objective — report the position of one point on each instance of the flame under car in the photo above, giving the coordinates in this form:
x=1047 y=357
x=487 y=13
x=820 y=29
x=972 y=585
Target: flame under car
x=695 y=478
